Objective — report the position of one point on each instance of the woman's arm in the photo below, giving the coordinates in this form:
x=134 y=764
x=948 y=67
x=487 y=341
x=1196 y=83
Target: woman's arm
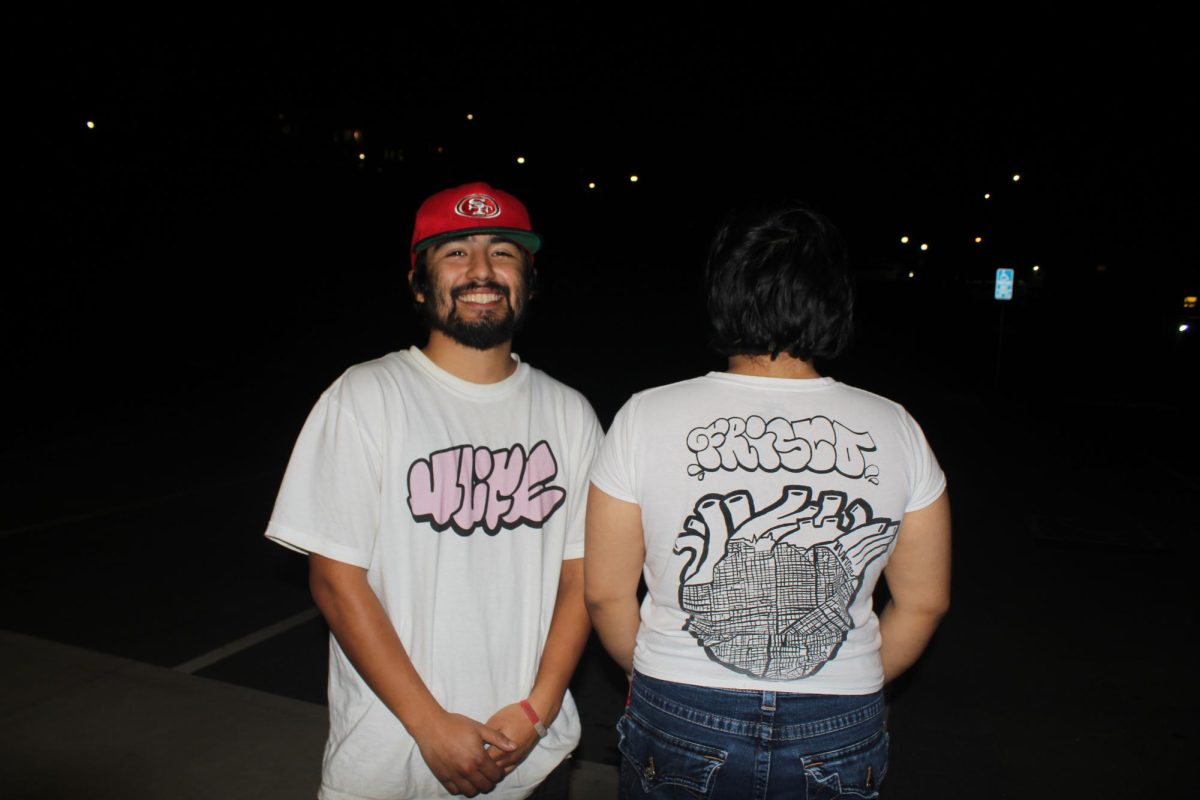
x=918 y=577
x=612 y=564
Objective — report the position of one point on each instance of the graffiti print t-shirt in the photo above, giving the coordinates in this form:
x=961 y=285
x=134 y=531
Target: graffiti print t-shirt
x=461 y=501
x=769 y=508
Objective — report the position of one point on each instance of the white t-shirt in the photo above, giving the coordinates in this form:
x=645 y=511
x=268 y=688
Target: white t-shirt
x=461 y=501
x=769 y=508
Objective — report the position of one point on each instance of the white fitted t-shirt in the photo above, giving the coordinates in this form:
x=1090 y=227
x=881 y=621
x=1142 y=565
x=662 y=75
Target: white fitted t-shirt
x=461 y=501
x=769 y=508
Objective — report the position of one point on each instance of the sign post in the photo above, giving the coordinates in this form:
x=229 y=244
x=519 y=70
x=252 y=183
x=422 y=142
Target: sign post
x=1005 y=277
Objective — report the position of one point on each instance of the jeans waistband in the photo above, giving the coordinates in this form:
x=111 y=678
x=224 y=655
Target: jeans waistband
x=745 y=712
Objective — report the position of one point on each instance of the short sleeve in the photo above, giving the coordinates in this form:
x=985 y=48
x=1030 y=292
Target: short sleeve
x=581 y=461
x=328 y=502
x=927 y=481
x=614 y=472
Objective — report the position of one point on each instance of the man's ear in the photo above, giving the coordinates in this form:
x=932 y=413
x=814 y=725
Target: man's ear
x=417 y=295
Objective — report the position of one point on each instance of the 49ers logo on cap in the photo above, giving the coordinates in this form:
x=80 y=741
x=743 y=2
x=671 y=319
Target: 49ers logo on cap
x=480 y=206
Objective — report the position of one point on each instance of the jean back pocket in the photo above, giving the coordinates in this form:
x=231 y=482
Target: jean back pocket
x=659 y=759
x=854 y=771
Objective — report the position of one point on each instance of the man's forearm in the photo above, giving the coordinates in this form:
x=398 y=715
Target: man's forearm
x=453 y=746
x=568 y=634
x=362 y=628
x=565 y=640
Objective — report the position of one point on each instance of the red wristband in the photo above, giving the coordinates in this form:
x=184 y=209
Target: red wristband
x=535 y=719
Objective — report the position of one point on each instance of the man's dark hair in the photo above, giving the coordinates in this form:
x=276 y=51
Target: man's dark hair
x=778 y=282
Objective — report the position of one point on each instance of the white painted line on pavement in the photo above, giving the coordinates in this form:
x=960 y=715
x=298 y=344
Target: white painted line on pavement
x=246 y=642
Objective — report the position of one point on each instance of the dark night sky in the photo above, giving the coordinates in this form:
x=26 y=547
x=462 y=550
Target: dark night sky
x=214 y=213
x=190 y=274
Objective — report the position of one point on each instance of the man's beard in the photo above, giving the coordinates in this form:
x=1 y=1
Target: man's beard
x=483 y=334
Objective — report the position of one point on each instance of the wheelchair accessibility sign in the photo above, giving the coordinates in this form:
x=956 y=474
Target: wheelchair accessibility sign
x=1004 y=283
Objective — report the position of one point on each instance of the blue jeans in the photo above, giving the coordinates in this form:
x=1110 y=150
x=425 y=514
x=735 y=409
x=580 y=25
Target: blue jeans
x=678 y=740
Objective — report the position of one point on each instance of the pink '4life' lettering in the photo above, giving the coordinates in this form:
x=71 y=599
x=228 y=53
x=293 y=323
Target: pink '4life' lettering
x=465 y=487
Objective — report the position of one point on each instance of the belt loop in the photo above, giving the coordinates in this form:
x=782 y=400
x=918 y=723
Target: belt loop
x=768 y=701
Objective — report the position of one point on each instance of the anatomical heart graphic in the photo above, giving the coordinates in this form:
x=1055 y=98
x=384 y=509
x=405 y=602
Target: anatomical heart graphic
x=768 y=593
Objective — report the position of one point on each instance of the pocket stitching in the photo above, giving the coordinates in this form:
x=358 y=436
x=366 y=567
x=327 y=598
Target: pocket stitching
x=689 y=753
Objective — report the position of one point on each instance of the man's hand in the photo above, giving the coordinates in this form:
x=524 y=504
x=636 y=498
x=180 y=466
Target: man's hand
x=512 y=722
x=453 y=748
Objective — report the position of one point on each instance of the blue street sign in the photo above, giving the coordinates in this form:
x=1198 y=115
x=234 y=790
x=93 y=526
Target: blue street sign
x=1004 y=284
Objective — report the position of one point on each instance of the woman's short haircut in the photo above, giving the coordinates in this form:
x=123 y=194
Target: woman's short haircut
x=778 y=282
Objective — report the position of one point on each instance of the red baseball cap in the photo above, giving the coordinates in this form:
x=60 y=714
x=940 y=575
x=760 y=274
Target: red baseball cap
x=469 y=209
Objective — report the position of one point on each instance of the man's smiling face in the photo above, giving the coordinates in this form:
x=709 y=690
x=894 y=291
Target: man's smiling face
x=476 y=289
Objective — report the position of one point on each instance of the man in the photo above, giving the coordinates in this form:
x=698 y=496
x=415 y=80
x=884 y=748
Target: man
x=439 y=493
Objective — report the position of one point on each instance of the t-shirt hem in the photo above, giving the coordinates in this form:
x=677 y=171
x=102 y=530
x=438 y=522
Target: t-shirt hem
x=930 y=498
x=524 y=791
x=805 y=686
x=609 y=490
x=307 y=543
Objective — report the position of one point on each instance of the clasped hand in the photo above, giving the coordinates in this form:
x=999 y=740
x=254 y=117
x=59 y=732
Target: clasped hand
x=470 y=757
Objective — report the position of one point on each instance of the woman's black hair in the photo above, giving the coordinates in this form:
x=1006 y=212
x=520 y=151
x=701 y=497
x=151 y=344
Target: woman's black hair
x=778 y=282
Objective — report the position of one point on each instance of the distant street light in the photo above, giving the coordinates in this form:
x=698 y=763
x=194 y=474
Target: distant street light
x=633 y=179
x=978 y=240
x=1016 y=178
x=591 y=184
x=520 y=159
x=91 y=125
x=470 y=117
x=924 y=246
x=903 y=240
x=987 y=195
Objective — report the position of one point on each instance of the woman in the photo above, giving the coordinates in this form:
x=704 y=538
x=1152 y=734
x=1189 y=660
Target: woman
x=761 y=505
